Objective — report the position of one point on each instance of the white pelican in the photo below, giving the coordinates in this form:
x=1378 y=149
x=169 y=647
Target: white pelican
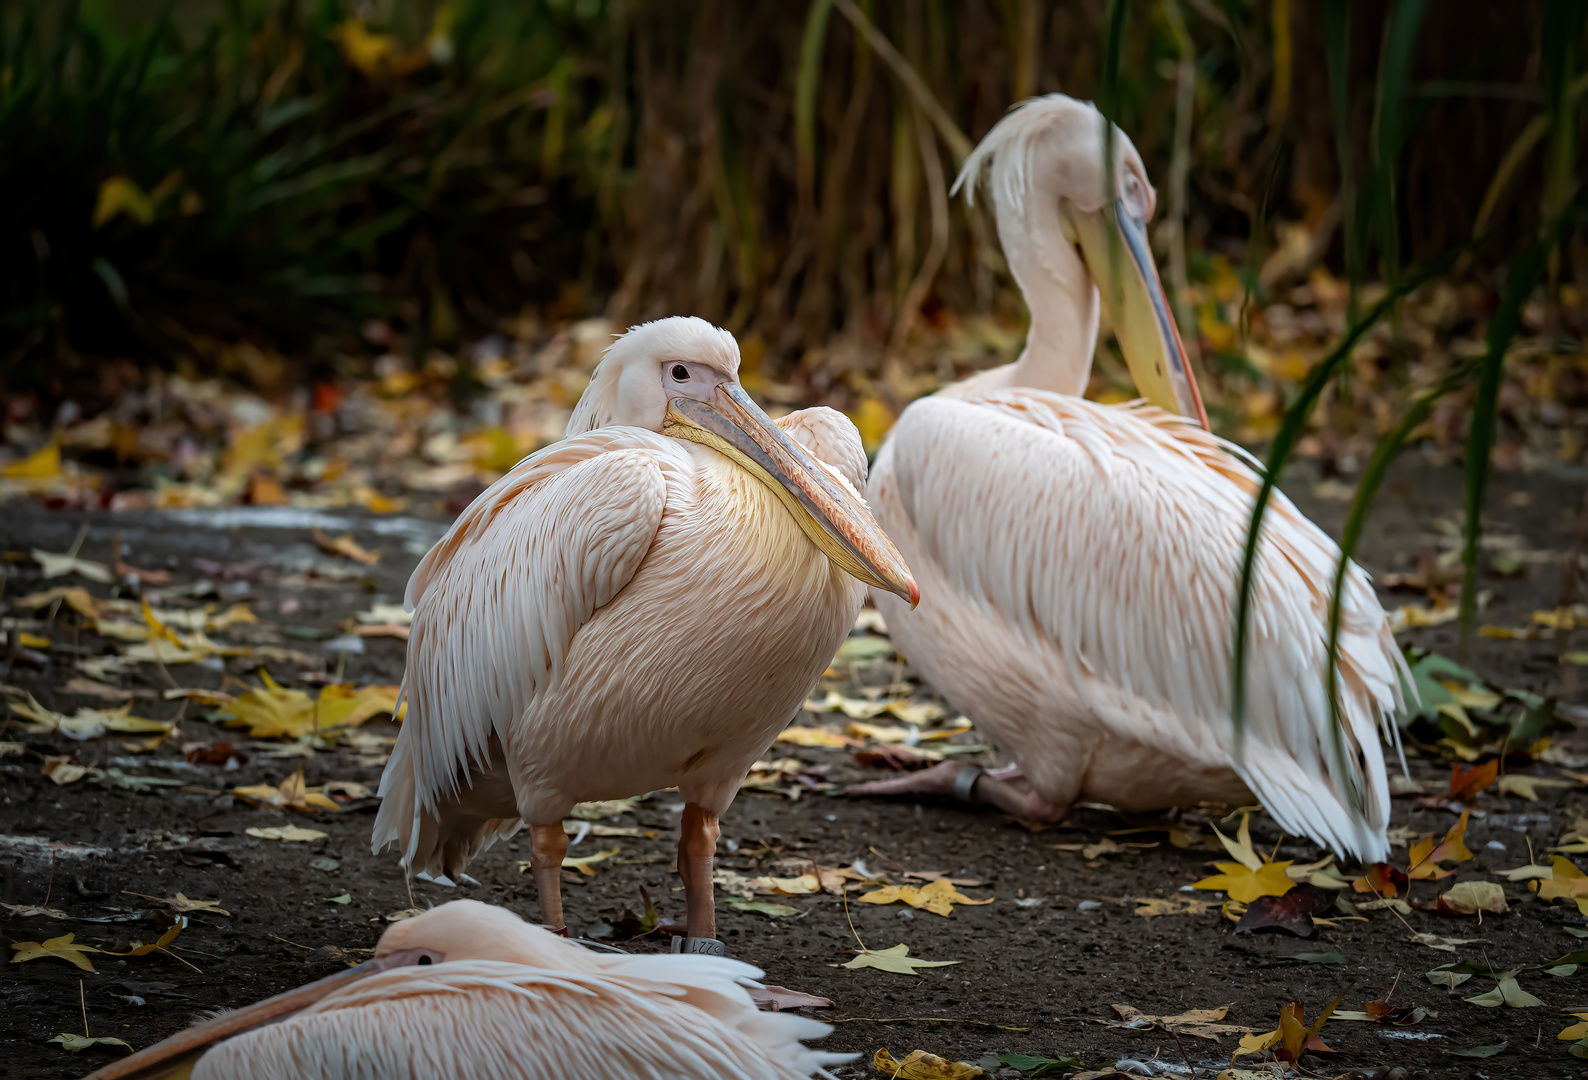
x=642 y=605
x=470 y=990
x=1078 y=561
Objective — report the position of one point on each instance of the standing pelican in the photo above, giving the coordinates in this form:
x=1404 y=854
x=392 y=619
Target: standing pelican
x=1078 y=561
x=470 y=990
x=642 y=605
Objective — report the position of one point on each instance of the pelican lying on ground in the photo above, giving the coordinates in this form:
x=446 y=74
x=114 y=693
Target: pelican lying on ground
x=642 y=605
x=1078 y=561
x=470 y=990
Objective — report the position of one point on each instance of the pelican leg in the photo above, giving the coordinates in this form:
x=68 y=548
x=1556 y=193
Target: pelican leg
x=547 y=846
x=1005 y=788
x=697 y=853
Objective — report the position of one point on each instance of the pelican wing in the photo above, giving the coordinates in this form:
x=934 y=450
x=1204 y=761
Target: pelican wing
x=1116 y=538
x=497 y=603
x=488 y=1018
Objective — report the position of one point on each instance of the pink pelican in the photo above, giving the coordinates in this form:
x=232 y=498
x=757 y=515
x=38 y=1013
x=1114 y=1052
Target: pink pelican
x=1078 y=561
x=642 y=605
x=470 y=990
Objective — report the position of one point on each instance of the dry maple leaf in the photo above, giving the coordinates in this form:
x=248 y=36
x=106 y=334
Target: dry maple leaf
x=1382 y=879
x=289 y=833
x=1465 y=784
x=138 y=949
x=293 y=794
x=1251 y=875
x=76 y=1043
x=939 y=897
x=1575 y=1031
x=919 y=1065
x=897 y=960
x=1472 y=898
x=1202 y=1023
x=61 y=947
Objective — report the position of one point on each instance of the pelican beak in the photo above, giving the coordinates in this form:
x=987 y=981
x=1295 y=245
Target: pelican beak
x=1114 y=246
x=830 y=513
x=175 y=1057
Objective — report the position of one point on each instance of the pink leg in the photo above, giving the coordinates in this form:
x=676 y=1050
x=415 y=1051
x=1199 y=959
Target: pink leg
x=547 y=846
x=697 y=854
x=1005 y=788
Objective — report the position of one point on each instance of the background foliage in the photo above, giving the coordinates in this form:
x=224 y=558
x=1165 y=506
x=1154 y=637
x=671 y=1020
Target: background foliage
x=180 y=178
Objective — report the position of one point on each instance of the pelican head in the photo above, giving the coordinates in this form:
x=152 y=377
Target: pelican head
x=1050 y=161
x=680 y=377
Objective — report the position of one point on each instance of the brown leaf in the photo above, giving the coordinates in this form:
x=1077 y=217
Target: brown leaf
x=1465 y=784
x=347 y=547
x=1288 y=914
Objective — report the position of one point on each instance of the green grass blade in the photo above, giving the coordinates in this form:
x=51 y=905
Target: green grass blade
x=1519 y=285
x=1337 y=37
x=805 y=84
x=1284 y=443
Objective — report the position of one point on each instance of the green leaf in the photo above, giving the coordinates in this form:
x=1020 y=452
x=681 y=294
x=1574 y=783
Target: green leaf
x=1479 y=1051
x=897 y=960
x=1317 y=958
x=1506 y=992
x=1039 y=1065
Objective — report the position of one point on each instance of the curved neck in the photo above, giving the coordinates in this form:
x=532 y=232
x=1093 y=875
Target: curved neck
x=1059 y=294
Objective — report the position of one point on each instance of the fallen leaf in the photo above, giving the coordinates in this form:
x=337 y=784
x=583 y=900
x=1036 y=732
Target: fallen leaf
x=1424 y=857
x=76 y=597
x=136 y=949
x=1505 y=992
x=1443 y=944
x=76 y=1043
x=1413 y=616
x=580 y=863
x=63 y=770
x=1202 y=1023
x=1530 y=872
x=347 y=547
x=1149 y=907
x=1566 y=882
x=1472 y=897
x=30 y=911
x=289 y=833
x=60 y=947
x=939 y=897
x=1465 y=784
x=60 y=565
x=182 y=904
x=897 y=960
x=1575 y=1031
x=341 y=898
x=1447 y=976
x=1290 y=913
x=810 y=736
x=763 y=907
x=919 y=1065
x=1527 y=787
x=1382 y=879
x=293 y=794
x=1486 y=1051
x=42 y=464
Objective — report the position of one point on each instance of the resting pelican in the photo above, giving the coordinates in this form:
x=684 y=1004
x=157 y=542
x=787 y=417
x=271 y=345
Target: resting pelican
x=642 y=605
x=1078 y=561
x=470 y=990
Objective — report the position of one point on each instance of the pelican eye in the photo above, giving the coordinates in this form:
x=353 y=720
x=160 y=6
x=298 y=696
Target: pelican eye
x=425 y=959
x=680 y=372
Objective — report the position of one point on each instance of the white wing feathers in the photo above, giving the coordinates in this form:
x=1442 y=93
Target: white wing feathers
x=498 y=600
x=488 y=1018
x=1122 y=534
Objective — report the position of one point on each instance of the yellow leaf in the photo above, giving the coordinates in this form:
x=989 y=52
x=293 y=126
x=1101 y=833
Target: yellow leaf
x=1471 y=897
x=288 y=833
x=44 y=464
x=76 y=597
x=1568 y=883
x=159 y=943
x=919 y=1065
x=345 y=546
x=366 y=51
x=582 y=863
x=32 y=641
x=1527 y=787
x=872 y=420
x=341 y=705
x=1245 y=884
x=61 y=947
x=809 y=736
x=122 y=195
x=897 y=960
x=273 y=712
x=1575 y=1031
x=939 y=897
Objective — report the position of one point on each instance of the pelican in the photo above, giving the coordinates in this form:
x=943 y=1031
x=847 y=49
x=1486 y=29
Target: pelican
x=1078 y=561
x=642 y=605
x=468 y=989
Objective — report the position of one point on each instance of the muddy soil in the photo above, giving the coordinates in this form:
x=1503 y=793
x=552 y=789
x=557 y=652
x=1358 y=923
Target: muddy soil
x=1042 y=967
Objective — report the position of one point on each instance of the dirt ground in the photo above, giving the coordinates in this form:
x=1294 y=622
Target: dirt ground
x=1042 y=965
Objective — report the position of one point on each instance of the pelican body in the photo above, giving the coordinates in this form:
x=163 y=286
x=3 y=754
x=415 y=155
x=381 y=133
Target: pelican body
x=470 y=990
x=642 y=605
x=1078 y=561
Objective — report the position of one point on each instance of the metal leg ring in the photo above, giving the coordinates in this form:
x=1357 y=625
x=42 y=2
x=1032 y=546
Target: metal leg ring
x=965 y=783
